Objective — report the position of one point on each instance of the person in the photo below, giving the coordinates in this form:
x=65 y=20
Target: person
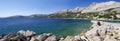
x=98 y=23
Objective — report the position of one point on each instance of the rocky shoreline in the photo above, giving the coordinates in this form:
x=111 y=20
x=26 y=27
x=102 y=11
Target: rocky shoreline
x=99 y=31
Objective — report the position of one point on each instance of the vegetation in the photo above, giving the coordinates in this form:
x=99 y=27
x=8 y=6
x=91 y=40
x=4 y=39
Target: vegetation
x=108 y=14
x=65 y=15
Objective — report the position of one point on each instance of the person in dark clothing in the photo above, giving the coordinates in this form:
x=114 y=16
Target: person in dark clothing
x=98 y=23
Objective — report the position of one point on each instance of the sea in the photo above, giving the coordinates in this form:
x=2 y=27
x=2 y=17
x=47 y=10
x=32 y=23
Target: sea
x=58 y=27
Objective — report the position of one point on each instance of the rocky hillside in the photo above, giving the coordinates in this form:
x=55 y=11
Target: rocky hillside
x=97 y=7
x=94 y=7
x=98 y=11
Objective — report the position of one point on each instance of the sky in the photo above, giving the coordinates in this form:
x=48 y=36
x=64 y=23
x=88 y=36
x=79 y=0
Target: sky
x=29 y=7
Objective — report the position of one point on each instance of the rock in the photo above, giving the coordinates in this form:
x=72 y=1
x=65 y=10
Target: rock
x=21 y=38
x=96 y=38
x=26 y=33
x=118 y=38
x=77 y=9
x=83 y=38
x=76 y=38
x=98 y=33
x=105 y=32
x=91 y=33
x=118 y=15
x=102 y=32
x=108 y=38
x=48 y=34
x=69 y=38
x=10 y=35
x=61 y=39
x=42 y=37
x=34 y=39
x=51 y=38
x=2 y=35
x=2 y=39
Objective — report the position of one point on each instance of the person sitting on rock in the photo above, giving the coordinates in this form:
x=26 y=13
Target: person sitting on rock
x=98 y=23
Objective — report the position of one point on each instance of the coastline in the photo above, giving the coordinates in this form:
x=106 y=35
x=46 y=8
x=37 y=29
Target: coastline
x=73 y=27
x=75 y=18
x=105 y=31
x=85 y=19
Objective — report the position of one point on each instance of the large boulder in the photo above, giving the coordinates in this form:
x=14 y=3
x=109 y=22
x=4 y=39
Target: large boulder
x=83 y=38
x=109 y=38
x=26 y=33
x=77 y=38
x=10 y=35
x=34 y=39
x=51 y=38
x=69 y=38
x=44 y=37
x=61 y=39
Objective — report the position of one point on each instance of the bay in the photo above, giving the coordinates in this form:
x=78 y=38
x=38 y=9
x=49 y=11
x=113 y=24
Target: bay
x=59 y=27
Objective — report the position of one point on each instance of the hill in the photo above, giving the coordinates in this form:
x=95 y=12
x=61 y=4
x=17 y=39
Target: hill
x=97 y=11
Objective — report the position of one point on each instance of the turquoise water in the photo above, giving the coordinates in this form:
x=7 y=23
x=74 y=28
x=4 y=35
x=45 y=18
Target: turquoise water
x=59 y=27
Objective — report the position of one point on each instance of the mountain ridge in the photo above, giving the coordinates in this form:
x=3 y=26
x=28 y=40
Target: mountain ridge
x=94 y=7
x=96 y=11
